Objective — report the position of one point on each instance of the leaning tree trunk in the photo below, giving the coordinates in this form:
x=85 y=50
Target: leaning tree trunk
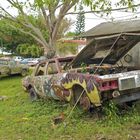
x=49 y=53
x=50 y=50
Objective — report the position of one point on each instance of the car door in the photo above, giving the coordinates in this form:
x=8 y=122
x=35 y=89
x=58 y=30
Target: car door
x=4 y=68
x=51 y=79
x=47 y=83
x=14 y=67
x=38 y=77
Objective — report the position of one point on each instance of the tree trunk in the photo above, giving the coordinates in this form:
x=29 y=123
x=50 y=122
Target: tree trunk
x=50 y=50
x=49 y=53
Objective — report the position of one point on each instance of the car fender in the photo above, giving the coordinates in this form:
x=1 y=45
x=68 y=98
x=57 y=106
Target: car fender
x=88 y=84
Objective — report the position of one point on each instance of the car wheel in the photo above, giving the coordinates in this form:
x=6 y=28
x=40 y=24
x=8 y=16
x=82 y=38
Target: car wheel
x=24 y=73
x=33 y=94
x=80 y=94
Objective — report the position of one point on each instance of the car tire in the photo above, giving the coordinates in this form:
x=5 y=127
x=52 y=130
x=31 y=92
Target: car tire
x=24 y=72
x=33 y=94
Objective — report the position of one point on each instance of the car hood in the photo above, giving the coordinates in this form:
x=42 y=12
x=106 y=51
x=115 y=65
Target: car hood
x=106 y=50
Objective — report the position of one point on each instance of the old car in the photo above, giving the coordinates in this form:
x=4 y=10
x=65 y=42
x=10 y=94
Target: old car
x=99 y=80
x=18 y=58
x=10 y=67
x=29 y=61
x=46 y=73
x=33 y=61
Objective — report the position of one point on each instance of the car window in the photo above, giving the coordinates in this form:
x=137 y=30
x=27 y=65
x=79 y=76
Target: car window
x=12 y=63
x=63 y=65
x=3 y=62
x=40 y=70
x=52 y=69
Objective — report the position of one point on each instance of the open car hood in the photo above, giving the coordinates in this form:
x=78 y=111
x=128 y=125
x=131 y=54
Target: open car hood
x=106 y=50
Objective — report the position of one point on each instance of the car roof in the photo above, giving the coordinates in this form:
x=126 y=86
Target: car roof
x=60 y=59
x=4 y=59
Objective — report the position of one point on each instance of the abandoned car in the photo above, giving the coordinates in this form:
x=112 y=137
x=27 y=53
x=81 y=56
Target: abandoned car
x=100 y=79
x=10 y=67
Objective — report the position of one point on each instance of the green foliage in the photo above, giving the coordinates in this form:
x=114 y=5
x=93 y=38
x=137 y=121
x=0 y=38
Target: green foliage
x=66 y=48
x=38 y=21
x=80 y=23
x=42 y=19
x=22 y=119
x=70 y=34
x=83 y=66
x=111 y=111
x=64 y=27
x=11 y=37
x=1 y=55
x=27 y=50
x=116 y=117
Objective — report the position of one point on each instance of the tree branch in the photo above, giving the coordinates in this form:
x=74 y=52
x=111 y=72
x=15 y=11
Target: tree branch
x=29 y=33
x=6 y=12
x=44 y=15
x=65 y=8
x=100 y=11
x=37 y=32
x=27 y=23
x=15 y=4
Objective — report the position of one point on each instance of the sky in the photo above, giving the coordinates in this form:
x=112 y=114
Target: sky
x=92 y=20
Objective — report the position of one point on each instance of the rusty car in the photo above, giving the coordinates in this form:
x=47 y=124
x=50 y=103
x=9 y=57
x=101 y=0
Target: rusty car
x=101 y=79
x=11 y=67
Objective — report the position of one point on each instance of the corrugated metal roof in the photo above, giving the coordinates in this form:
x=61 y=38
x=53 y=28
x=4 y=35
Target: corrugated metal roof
x=110 y=28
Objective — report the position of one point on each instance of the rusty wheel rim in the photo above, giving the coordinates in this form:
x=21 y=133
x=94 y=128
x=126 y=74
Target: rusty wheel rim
x=85 y=103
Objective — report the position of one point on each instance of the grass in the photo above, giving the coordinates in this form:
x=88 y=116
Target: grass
x=21 y=119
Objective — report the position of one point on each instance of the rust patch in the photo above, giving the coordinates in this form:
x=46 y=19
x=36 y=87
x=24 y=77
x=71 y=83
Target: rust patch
x=58 y=92
x=85 y=103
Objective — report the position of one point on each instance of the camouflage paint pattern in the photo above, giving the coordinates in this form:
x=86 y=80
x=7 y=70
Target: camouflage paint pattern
x=47 y=86
x=8 y=67
x=59 y=86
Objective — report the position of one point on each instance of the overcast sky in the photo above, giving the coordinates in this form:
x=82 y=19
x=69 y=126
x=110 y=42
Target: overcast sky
x=92 y=20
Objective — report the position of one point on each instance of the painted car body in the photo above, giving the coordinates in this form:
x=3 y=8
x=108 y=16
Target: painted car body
x=69 y=85
x=91 y=85
x=46 y=83
x=9 y=67
x=33 y=61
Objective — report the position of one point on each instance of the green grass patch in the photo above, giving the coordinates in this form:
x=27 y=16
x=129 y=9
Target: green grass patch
x=21 y=119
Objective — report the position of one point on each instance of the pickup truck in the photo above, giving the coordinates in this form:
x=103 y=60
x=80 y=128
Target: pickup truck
x=10 y=67
x=99 y=80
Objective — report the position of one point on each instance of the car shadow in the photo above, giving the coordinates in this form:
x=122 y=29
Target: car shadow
x=10 y=77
